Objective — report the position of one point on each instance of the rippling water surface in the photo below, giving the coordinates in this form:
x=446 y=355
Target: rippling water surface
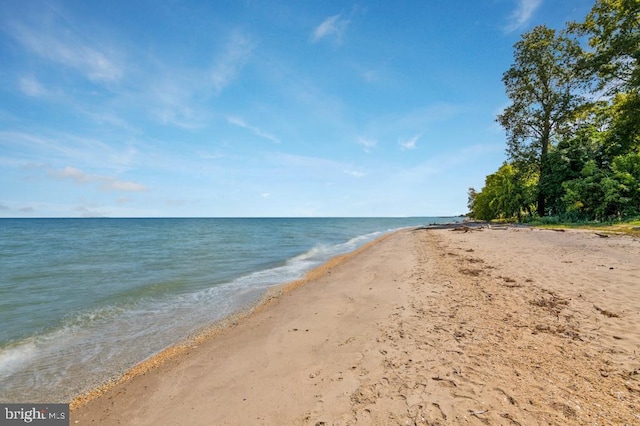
x=83 y=300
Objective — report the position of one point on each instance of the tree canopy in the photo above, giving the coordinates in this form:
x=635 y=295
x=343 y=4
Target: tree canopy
x=573 y=125
x=613 y=28
x=542 y=86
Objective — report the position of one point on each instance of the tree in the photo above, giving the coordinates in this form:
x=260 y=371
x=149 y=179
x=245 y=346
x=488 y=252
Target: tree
x=603 y=193
x=506 y=194
x=623 y=127
x=626 y=169
x=542 y=87
x=471 y=199
x=566 y=163
x=585 y=195
x=613 y=28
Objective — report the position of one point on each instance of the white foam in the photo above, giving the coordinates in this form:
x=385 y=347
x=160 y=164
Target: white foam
x=16 y=356
x=91 y=345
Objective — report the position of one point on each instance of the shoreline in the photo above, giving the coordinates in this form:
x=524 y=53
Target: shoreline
x=494 y=326
x=270 y=297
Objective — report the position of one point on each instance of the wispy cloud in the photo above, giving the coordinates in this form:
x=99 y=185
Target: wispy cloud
x=69 y=49
x=236 y=121
x=367 y=143
x=67 y=148
x=409 y=143
x=90 y=211
x=180 y=115
x=105 y=183
x=370 y=76
x=176 y=94
x=334 y=26
x=355 y=173
x=30 y=86
x=311 y=166
x=522 y=14
x=230 y=61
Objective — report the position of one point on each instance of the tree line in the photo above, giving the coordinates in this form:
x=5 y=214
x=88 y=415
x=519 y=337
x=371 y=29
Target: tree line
x=573 y=123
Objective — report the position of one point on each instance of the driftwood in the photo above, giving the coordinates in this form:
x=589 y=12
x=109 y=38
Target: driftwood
x=454 y=226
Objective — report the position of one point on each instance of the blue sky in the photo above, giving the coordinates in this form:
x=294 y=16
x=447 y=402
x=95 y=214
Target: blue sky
x=255 y=108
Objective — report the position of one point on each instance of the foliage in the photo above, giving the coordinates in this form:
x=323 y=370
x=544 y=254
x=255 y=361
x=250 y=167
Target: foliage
x=626 y=226
x=613 y=28
x=573 y=159
x=507 y=193
x=623 y=132
x=542 y=87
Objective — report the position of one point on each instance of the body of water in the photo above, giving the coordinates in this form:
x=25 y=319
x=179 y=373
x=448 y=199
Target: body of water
x=83 y=300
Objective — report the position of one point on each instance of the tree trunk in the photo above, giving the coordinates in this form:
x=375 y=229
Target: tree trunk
x=541 y=205
x=546 y=137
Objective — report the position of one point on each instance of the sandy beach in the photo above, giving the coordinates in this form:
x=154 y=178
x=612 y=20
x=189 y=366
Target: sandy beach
x=499 y=326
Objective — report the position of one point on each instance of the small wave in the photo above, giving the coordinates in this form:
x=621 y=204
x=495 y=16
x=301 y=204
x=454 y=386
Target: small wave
x=295 y=267
x=14 y=356
x=93 y=345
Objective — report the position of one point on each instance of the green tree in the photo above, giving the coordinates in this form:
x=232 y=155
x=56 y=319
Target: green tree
x=613 y=29
x=626 y=174
x=584 y=196
x=622 y=128
x=542 y=87
x=506 y=194
x=566 y=163
x=603 y=193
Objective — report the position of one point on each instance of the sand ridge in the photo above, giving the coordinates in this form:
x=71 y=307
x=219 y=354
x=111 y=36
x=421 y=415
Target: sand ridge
x=428 y=327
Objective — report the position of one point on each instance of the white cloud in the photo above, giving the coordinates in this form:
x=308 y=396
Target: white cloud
x=68 y=49
x=106 y=183
x=72 y=173
x=409 y=143
x=367 y=143
x=334 y=26
x=30 y=86
x=228 y=64
x=355 y=173
x=236 y=121
x=522 y=14
x=112 y=184
x=68 y=148
x=90 y=211
x=173 y=95
x=370 y=76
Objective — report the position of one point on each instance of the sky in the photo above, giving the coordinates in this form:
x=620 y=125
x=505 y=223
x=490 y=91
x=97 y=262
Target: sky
x=197 y=108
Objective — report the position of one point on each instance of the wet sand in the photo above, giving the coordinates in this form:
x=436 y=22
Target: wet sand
x=490 y=326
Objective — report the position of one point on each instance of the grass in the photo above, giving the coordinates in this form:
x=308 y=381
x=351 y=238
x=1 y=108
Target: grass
x=630 y=227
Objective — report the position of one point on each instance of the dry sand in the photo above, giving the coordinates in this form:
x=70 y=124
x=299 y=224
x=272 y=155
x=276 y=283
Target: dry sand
x=503 y=327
